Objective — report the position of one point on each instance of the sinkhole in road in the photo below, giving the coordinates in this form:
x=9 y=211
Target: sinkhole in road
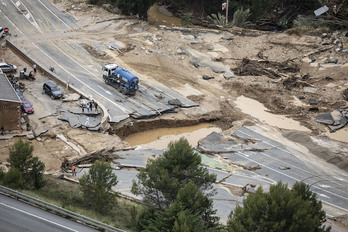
x=160 y=138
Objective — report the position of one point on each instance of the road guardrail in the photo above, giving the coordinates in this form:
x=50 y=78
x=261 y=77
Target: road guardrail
x=58 y=210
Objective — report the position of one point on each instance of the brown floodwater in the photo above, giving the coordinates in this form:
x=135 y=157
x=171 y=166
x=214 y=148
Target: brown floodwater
x=160 y=138
x=156 y=17
x=258 y=110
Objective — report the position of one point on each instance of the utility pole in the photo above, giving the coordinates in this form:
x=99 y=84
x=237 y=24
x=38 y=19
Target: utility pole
x=227 y=11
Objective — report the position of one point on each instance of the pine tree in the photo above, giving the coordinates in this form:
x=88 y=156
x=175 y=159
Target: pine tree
x=96 y=186
x=280 y=209
x=161 y=180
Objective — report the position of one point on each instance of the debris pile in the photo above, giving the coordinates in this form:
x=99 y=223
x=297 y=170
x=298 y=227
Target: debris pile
x=334 y=120
x=272 y=69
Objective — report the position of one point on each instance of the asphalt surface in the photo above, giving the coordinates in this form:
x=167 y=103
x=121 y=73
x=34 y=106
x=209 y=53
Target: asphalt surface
x=280 y=164
x=73 y=63
x=16 y=216
x=273 y=161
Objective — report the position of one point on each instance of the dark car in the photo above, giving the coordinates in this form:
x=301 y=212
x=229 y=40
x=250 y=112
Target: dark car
x=27 y=107
x=52 y=90
x=20 y=94
x=7 y=68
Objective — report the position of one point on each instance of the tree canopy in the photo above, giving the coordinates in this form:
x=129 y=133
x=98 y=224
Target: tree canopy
x=27 y=169
x=160 y=181
x=192 y=211
x=280 y=209
x=96 y=186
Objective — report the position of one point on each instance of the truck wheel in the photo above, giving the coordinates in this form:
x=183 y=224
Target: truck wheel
x=123 y=90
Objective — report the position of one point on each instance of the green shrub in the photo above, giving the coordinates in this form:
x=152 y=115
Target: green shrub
x=13 y=178
x=2 y=173
x=240 y=17
x=218 y=19
x=186 y=19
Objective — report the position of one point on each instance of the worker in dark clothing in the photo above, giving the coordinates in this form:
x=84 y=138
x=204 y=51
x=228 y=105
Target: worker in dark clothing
x=2 y=130
x=96 y=106
x=31 y=76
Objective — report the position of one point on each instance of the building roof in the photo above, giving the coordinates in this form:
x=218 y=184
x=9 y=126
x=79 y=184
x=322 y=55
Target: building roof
x=7 y=92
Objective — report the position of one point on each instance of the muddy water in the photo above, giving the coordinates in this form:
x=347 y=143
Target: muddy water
x=340 y=135
x=160 y=138
x=259 y=111
x=156 y=17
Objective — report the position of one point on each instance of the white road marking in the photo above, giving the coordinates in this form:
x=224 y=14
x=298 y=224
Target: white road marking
x=44 y=219
x=12 y=23
x=295 y=167
x=108 y=92
x=2 y=2
x=28 y=16
x=325 y=186
x=55 y=15
x=291 y=177
x=120 y=107
x=131 y=100
x=323 y=195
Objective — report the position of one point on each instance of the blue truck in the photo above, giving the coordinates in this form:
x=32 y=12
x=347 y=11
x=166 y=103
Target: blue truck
x=123 y=80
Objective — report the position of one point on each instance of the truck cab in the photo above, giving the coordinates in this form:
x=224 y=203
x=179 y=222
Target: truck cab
x=108 y=70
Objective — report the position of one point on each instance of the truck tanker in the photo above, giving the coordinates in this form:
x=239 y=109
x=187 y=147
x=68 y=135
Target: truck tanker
x=123 y=80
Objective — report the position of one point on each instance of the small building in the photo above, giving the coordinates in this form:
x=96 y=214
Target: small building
x=10 y=105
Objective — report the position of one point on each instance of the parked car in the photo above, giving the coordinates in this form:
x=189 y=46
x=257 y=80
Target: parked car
x=27 y=107
x=20 y=94
x=6 y=68
x=52 y=90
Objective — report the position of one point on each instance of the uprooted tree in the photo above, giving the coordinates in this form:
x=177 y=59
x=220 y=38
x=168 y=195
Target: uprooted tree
x=280 y=209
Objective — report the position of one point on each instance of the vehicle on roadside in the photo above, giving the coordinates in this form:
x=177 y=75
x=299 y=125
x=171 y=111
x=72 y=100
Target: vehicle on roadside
x=27 y=107
x=7 y=68
x=123 y=80
x=52 y=90
x=20 y=94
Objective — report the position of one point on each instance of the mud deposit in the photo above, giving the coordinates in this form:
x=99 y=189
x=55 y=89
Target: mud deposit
x=160 y=138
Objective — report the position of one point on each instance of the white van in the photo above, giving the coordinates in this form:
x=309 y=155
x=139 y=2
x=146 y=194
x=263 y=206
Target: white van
x=1 y=32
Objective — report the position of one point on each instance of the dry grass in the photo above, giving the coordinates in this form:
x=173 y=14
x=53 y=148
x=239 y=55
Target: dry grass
x=69 y=196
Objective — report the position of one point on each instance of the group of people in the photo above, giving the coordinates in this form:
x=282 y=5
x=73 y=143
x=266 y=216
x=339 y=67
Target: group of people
x=89 y=106
x=31 y=75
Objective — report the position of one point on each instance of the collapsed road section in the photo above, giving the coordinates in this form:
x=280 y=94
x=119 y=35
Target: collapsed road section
x=73 y=65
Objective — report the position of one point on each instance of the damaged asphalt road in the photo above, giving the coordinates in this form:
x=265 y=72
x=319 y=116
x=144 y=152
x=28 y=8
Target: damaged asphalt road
x=244 y=160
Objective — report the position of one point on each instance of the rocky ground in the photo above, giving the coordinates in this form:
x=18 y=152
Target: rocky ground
x=279 y=70
x=275 y=69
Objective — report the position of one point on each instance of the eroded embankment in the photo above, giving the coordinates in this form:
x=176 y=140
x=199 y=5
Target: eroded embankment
x=124 y=129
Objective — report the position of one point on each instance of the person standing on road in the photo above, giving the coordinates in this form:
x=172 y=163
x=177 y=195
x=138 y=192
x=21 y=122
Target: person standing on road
x=2 y=130
x=34 y=67
x=96 y=106
x=91 y=105
x=83 y=108
x=73 y=169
